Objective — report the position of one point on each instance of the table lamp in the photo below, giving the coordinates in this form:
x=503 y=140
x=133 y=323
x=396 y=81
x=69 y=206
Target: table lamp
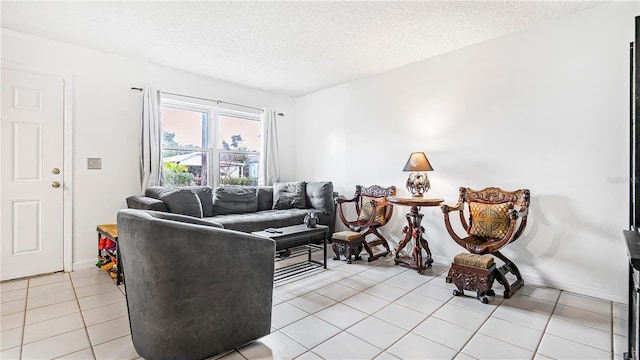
x=418 y=183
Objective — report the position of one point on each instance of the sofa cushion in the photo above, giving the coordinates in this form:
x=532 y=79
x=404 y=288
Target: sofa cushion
x=182 y=201
x=289 y=195
x=320 y=196
x=234 y=200
x=205 y=193
x=261 y=220
x=265 y=198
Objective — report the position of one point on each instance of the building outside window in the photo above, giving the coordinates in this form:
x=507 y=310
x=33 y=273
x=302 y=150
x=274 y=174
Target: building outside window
x=209 y=146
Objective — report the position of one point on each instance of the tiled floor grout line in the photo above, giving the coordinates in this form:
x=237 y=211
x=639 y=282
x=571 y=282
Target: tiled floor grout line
x=413 y=328
x=578 y=323
x=24 y=319
x=310 y=349
x=84 y=322
x=478 y=329
x=22 y=344
x=341 y=330
x=612 y=330
x=544 y=331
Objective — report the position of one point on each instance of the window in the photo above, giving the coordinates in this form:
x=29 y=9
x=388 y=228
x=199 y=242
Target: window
x=209 y=146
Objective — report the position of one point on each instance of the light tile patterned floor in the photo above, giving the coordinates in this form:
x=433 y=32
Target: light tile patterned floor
x=358 y=311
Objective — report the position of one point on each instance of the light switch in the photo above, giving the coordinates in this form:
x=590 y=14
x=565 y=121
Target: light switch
x=94 y=163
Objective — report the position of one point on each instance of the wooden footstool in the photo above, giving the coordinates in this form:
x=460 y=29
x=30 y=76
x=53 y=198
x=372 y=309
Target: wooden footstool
x=474 y=273
x=347 y=243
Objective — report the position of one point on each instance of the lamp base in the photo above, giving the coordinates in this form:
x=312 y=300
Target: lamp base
x=418 y=184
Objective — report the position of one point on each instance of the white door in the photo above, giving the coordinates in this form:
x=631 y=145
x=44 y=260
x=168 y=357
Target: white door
x=31 y=200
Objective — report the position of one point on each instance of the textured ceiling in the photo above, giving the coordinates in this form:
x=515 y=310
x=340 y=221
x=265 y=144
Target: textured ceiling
x=289 y=47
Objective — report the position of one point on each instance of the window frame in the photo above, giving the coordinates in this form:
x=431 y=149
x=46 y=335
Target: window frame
x=212 y=148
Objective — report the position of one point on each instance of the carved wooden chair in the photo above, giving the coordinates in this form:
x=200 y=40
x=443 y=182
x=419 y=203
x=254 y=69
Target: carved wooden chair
x=496 y=219
x=372 y=211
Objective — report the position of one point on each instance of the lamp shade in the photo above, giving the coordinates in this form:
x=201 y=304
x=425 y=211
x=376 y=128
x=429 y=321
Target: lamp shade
x=418 y=162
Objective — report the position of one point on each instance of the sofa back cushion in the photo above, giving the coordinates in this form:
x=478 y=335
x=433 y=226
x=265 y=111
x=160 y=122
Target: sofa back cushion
x=182 y=201
x=265 y=198
x=205 y=194
x=289 y=195
x=156 y=192
x=234 y=200
x=320 y=196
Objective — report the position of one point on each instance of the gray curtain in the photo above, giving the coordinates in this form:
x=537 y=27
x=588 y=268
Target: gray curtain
x=269 y=158
x=150 y=142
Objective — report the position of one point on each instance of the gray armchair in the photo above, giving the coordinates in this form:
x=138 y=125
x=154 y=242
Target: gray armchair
x=193 y=290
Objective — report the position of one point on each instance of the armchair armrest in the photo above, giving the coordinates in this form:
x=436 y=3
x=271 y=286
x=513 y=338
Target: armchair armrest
x=341 y=199
x=449 y=208
x=522 y=212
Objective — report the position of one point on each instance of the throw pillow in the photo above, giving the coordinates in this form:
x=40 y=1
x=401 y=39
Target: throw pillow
x=367 y=209
x=234 y=200
x=183 y=201
x=289 y=195
x=489 y=220
x=320 y=196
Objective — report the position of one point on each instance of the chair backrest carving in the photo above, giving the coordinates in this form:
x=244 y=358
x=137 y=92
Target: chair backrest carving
x=375 y=191
x=495 y=195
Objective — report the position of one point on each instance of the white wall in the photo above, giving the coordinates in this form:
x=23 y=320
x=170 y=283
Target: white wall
x=546 y=108
x=106 y=118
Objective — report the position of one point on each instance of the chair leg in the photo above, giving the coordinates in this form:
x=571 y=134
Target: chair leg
x=358 y=251
x=379 y=241
x=508 y=267
x=384 y=242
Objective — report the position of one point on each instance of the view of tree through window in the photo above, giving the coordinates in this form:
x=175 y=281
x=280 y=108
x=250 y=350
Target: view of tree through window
x=239 y=142
x=192 y=134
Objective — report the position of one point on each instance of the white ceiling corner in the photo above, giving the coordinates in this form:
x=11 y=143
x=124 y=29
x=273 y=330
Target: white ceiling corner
x=288 y=47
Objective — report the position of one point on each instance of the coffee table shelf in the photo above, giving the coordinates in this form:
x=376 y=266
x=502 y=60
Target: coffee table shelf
x=297 y=239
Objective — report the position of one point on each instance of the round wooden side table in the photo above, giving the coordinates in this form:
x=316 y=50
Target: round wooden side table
x=414 y=231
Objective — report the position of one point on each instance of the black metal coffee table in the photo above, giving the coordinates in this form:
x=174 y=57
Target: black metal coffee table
x=297 y=239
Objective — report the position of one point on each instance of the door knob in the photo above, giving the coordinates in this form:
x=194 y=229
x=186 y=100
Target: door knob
x=55 y=171
x=55 y=184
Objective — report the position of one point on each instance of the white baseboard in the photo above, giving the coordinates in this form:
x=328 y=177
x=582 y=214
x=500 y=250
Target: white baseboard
x=535 y=279
x=84 y=264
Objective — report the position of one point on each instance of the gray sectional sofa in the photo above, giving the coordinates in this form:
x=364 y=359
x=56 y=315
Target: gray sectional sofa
x=245 y=209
